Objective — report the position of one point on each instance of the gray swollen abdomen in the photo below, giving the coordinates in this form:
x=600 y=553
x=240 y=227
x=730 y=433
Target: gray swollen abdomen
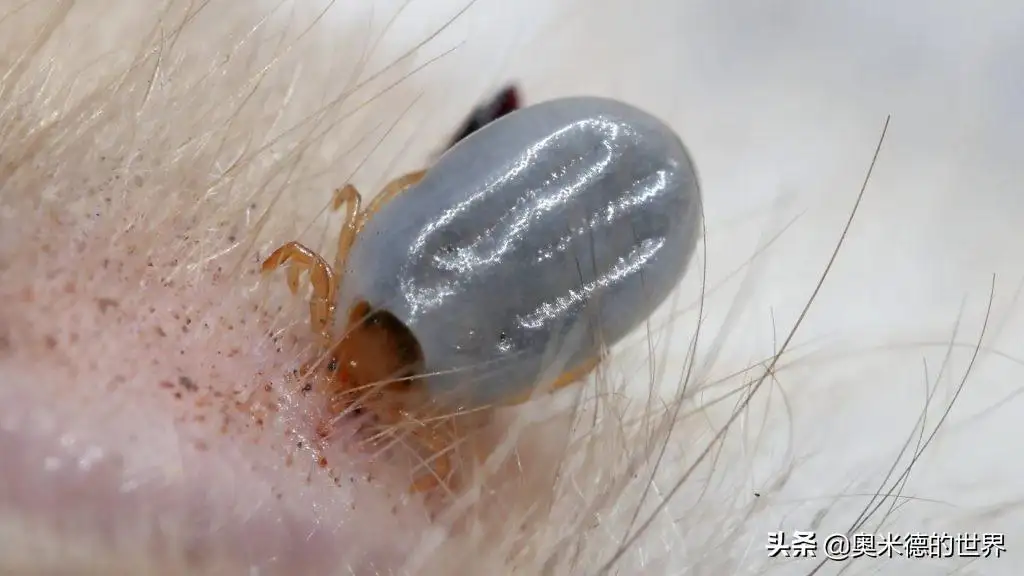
x=548 y=234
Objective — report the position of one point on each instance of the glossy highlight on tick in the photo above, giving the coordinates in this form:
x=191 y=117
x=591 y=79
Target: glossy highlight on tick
x=541 y=237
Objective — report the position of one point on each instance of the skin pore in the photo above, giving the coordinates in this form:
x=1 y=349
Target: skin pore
x=154 y=417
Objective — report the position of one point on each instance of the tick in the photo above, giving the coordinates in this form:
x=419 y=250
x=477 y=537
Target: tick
x=535 y=242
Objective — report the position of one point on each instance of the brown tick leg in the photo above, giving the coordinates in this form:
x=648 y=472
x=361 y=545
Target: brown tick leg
x=434 y=437
x=389 y=192
x=568 y=377
x=355 y=217
x=321 y=276
x=349 y=196
x=576 y=374
x=438 y=464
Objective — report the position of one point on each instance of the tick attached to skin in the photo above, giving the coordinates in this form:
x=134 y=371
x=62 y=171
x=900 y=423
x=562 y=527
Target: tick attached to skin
x=536 y=241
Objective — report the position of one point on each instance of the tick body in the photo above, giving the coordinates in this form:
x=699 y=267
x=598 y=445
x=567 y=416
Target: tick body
x=529 y=246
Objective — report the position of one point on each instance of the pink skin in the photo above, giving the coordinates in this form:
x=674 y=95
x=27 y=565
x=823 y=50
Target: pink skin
x=149 y=419
x=150 y=416
x=144 y=400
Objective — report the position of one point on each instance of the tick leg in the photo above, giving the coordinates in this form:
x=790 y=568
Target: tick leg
x=506 y=102
x=439 y=463
x=349 y=196
x=572 y=375
x=434 y=437
x=388 y=193
x=576 y=374
x=321 y=276
x=355 y=217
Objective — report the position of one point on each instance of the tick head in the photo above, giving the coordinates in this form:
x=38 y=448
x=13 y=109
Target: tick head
x=378 y=359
